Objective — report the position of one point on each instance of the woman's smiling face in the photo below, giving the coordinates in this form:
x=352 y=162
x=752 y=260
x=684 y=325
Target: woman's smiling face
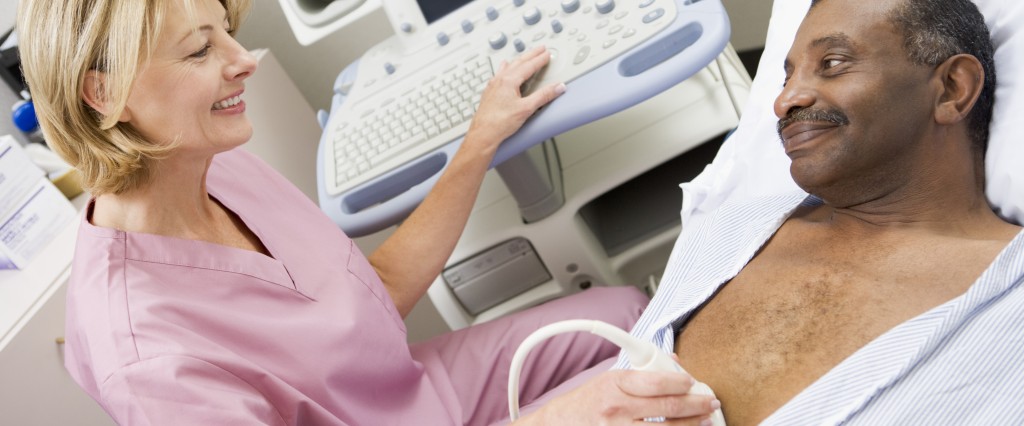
x=190 y=89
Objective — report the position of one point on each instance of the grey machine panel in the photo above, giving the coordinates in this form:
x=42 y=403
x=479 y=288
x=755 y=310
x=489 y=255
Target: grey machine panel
x=496 y=275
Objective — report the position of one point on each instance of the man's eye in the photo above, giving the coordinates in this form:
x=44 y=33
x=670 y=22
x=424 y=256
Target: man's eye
x=830 y=63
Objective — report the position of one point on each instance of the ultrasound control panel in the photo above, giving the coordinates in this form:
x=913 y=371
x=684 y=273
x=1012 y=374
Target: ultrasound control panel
x=400 y=112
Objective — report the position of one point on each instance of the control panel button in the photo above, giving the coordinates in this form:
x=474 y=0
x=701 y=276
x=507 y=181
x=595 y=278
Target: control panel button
x=653 y=15
x=518 y=3
x=405 y=27
x=629 y=33
x=605 y=6
x=442 y=39
x=498 y=41
x=492 y=13
x=532 y=16
x=581 y=55
x=570 y=6
x=467 y=26
x=389 y=68
x=608 y=43
x=519 y=45
x=556 y=26
x=645 y=3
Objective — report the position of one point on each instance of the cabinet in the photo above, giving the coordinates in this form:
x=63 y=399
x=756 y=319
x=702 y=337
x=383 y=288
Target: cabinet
x=34 y=387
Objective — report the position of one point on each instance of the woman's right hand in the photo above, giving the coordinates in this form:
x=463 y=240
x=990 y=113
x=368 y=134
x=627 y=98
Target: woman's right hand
x=624 y=397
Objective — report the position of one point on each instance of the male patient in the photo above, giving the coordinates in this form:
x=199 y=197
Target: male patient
x=890 y=294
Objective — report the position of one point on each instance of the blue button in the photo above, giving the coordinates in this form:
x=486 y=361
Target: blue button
x=389 y=67
x=519 y=45
x=442 y=39
x=498 y=41
x=467 y=26
x=492 y=13
x=532 y=16
x=556 y=26
x=653 y=15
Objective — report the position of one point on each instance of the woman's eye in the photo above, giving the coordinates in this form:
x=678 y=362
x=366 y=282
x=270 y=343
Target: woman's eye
x=201 y=53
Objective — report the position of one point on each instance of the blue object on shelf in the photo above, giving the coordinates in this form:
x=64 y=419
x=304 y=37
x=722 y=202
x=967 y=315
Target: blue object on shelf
x=24 y=116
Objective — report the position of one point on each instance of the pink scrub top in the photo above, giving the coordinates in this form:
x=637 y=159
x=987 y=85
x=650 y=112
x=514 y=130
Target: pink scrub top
x=170 y=331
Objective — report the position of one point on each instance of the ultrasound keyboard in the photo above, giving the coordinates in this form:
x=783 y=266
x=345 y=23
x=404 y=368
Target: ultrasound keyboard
x=399 y=113
x=384 y=137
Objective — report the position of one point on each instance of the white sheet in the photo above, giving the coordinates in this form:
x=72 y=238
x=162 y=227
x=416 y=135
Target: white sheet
x=752 y=162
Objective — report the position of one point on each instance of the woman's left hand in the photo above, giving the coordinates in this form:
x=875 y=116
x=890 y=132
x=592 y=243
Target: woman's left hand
x=503 y=109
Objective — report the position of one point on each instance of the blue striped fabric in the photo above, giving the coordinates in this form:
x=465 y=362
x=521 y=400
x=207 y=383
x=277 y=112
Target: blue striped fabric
x=959 y=363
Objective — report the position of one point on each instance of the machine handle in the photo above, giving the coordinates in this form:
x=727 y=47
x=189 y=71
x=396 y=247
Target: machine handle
x=698 y=34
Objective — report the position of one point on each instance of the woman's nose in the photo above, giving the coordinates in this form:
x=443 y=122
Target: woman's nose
x=241 y=63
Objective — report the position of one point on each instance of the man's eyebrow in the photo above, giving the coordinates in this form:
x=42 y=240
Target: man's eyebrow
x=834 y=40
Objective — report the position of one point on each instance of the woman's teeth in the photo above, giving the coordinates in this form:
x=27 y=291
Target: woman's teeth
x=227 y=103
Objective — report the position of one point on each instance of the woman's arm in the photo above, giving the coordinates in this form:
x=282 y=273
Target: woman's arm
x=415 y=254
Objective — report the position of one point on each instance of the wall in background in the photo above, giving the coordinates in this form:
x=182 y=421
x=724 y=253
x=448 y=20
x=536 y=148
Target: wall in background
x=8 y=13
x=749 y=20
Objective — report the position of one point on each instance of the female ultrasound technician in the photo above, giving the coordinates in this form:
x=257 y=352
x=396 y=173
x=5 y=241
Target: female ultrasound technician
x=206 y=289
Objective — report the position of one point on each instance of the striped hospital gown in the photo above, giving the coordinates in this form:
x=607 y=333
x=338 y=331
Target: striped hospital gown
x=959 y=363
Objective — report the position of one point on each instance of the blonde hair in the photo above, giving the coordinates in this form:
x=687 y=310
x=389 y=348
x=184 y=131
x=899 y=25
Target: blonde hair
x=59 y=43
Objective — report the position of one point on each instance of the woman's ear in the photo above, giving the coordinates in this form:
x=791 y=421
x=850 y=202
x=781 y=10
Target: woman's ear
x=962 y=79
x=95 y=95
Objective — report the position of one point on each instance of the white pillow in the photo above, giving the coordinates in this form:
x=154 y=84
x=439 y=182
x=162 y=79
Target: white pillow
x=752 y=163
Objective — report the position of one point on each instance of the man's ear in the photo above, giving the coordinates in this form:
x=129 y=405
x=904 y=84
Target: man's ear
x=962 y=79
x=95 y=95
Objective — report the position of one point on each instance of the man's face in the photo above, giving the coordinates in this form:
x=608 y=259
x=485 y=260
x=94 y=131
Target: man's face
x=854 y=108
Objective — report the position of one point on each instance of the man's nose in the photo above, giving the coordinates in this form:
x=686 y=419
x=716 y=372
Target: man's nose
x=795 y=95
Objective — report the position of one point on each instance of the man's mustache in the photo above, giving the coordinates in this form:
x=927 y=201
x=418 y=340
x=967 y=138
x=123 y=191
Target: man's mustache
x=830 y=115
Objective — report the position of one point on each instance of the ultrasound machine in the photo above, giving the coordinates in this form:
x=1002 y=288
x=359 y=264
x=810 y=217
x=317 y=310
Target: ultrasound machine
x=586 y=193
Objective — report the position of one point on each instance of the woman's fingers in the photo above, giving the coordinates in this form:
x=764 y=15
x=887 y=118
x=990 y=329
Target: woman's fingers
x=665 y=394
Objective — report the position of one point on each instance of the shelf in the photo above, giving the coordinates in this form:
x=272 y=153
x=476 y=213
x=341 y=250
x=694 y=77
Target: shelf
x=23 y=292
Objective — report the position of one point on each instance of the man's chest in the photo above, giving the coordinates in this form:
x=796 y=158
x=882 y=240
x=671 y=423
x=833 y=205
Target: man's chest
x=793 y=313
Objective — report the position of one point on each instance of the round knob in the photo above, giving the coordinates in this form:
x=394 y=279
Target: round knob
x=570 y=6
x=518 y=3
x=532 y=16
x=442 y=39
x=556 y=26
x=467 y=26
x=519 y=45
x=492 y=13
x=389 y=67
x=605 y=6
x=498 y=41
x=406 y=27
